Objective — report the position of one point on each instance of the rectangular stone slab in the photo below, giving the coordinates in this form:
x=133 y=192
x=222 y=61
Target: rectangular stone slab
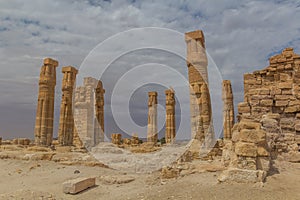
x=77 y=185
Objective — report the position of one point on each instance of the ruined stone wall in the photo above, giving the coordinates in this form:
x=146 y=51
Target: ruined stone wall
x=275 y=90
x=84 y=112
x=247 y=154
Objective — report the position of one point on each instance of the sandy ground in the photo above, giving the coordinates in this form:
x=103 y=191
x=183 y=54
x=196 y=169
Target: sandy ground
x=43 y=180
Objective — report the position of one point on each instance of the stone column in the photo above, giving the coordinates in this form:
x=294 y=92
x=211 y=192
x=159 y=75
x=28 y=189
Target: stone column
x=43 y=132
x=228 y=109
x=152 y=117
x=66 y=120
x=99 y=113
x=170 y=116
x=201 y=112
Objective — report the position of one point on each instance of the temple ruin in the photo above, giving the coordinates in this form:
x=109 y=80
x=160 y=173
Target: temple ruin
x=170 y=116
x=66 y=120
x=268 y=121
x=43 y=132
x=228 y=109
x=152 y=118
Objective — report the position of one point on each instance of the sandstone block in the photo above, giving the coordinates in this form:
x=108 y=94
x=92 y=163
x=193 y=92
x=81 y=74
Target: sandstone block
x=269 y=123
x=246 y=149
x=252 y=136
x=297 y=127
x=287 y=92
x=288 y=66
x=266 y=102
x=263 y=163
x=281 y=103
x=242 y=176
x=246 y=162
x=285 y=85
x=77 y=185
x=284 y=77
x=292 y=109
x=254 y=102
x=245 y=124
x=282 y=97
x=243 y=108
x=264 y=91
x=261 y=151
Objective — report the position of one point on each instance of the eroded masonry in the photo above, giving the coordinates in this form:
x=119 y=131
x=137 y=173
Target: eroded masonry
x=272 y=98
x=89 y=112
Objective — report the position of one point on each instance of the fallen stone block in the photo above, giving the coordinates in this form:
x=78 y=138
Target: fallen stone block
x=242 y=176
x=77 y=185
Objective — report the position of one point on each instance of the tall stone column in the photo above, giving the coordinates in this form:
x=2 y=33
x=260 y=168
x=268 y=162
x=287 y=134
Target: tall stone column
x=170 y=116
x=99 y=113
x=66 y=120
x=201 y=112
x=152 y=117
x=228 y=109
x=43 y=131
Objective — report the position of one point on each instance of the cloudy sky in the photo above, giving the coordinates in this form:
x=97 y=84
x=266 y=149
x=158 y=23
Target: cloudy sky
x=240 y=37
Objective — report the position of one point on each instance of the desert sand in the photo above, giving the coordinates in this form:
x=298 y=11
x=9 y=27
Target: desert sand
x=41 y=179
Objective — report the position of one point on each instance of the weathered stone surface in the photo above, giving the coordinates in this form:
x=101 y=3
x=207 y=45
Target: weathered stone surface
x=170 y=116
x=248 y=124
x=135 y=139
x=99 y=114
x=246 y=149
x=228 y=109
x=43 y=132
x=292 y=109
x=263 y=151
x=242 y=176
x=253 y=136
x=200 y=102
x=66 y=120
x=89 y=113
x=277 y=89
x=77 y=185
x=116 y=138
x=169 y=172
x=266 y=102
x=242 y=108
x=152 y=118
